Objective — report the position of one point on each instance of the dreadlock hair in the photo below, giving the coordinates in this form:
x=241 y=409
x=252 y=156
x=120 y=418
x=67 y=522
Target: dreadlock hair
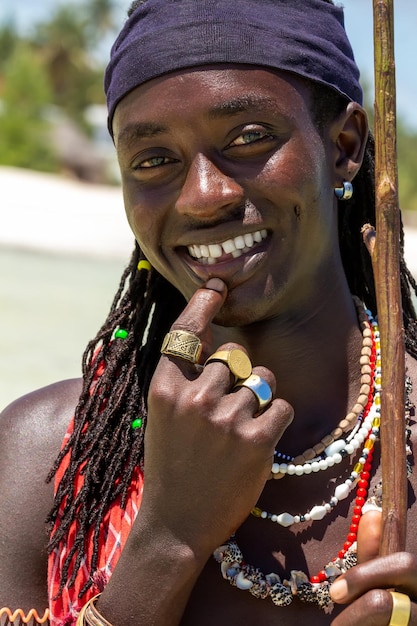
x=357 y=212
x=103 y=432
x=103 y=442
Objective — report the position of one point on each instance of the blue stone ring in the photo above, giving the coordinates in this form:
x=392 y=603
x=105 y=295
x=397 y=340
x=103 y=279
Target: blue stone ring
x=259 y=387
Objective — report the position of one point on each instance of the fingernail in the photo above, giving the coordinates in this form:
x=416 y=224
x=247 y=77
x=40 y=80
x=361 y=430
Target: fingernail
x=215 y=284
x=339 y=590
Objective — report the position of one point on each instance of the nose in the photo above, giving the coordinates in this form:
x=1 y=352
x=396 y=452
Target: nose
x=207 y=189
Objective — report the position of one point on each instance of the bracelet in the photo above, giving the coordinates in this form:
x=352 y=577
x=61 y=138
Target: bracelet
x=89 y=615
x=18 y=613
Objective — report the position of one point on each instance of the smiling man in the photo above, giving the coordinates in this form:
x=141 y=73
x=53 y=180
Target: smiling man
x=226 y=427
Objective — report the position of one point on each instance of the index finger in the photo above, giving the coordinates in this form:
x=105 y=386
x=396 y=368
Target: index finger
x=197 y=317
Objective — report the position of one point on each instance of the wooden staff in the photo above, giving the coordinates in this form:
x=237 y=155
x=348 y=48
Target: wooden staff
x=385 y=260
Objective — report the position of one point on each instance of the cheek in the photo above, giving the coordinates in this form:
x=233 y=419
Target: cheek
x=298 y=169
x=299 y=177
x=147 y=221
x=146 y=234
x=141 y=223
x=143 y=217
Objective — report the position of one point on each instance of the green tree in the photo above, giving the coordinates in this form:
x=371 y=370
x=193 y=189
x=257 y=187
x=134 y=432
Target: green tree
x=9 y=40
x=66 y=44
x=24 y=137
x=62 y=46
x=100 y=19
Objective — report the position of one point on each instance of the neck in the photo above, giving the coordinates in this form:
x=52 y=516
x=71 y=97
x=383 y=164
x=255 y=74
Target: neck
x=314 y=353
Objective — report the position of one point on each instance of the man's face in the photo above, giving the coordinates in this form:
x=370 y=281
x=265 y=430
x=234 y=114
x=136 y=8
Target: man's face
x=225 y=174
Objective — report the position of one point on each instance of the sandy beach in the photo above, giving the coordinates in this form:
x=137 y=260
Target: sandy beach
x=63 y=246
x=51 y=213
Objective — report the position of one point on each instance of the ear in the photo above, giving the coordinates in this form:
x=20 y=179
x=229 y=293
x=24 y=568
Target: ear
x=349 y=133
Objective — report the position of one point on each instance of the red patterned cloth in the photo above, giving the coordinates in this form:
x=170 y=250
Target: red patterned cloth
x=114 y=531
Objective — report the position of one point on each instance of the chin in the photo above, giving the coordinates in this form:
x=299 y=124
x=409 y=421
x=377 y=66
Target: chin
x=242 y=309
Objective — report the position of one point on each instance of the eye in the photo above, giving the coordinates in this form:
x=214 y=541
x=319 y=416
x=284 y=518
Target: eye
x=248 y=137
x=252 y=141
x=155 y=161
x=153 y=166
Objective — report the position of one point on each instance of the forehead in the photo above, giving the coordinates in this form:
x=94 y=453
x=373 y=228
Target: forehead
x=212 y=93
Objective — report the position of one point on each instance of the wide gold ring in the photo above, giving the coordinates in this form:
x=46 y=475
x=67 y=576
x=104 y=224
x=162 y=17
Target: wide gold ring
x=401 y=609
x=182 y=344
x=236 y=360
x=259 y=387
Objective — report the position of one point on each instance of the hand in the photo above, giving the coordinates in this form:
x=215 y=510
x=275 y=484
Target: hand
x=365 y=587
x=206 y=457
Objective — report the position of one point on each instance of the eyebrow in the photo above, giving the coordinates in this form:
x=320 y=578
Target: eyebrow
x=139 y=130
x=242 y=104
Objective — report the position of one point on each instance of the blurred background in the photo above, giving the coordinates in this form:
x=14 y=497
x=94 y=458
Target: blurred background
x=64 y=240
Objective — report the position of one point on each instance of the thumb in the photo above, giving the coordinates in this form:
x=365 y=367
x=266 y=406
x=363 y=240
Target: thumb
x=369 y=535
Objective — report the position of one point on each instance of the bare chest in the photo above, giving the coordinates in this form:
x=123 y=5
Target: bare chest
x=308 y=548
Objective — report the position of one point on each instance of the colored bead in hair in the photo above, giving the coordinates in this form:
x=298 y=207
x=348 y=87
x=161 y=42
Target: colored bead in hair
x=121 y=333
x=144 y=265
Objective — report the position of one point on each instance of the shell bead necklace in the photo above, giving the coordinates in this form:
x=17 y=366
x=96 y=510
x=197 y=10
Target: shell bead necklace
x=282 y=592
x=312 y=590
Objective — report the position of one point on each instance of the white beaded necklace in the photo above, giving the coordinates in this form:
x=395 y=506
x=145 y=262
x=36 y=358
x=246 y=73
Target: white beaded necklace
x=331 y=450
x=366 y=432
x=317 y=512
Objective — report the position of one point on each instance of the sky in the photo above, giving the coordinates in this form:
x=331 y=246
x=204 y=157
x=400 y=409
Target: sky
x=359 y=25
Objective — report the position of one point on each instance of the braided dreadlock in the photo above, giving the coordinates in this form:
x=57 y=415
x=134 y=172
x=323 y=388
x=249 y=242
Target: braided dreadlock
x=102 y=433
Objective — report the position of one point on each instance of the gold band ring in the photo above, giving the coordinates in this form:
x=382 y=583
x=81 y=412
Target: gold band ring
x=401 y=609
x=182 y=344
x=259 y=387
x=236 y=360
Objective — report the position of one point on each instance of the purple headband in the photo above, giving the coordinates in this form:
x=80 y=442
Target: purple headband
x=305 y=37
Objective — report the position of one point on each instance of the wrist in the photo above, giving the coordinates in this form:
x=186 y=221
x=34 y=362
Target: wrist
x=179 y=537
x=152 y=581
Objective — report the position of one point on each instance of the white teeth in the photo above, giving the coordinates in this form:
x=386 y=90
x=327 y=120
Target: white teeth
x=248 y=240
x=204 y=251
x=236 y=247
x=229 y=246
x=239 y=242
x=215 y=250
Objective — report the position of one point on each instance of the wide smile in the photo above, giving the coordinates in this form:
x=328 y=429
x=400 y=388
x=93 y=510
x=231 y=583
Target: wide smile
x=209 y=254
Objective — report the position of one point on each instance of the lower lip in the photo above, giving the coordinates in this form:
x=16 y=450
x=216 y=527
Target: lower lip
x=232 y=270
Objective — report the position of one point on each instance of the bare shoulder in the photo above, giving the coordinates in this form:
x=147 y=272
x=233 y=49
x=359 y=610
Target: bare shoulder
x=32 y=428
x=31 y=432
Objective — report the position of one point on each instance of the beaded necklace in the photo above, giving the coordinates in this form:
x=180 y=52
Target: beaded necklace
x=331 y=450
x=341 y=491
x=366 y=432
x=316 y=588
